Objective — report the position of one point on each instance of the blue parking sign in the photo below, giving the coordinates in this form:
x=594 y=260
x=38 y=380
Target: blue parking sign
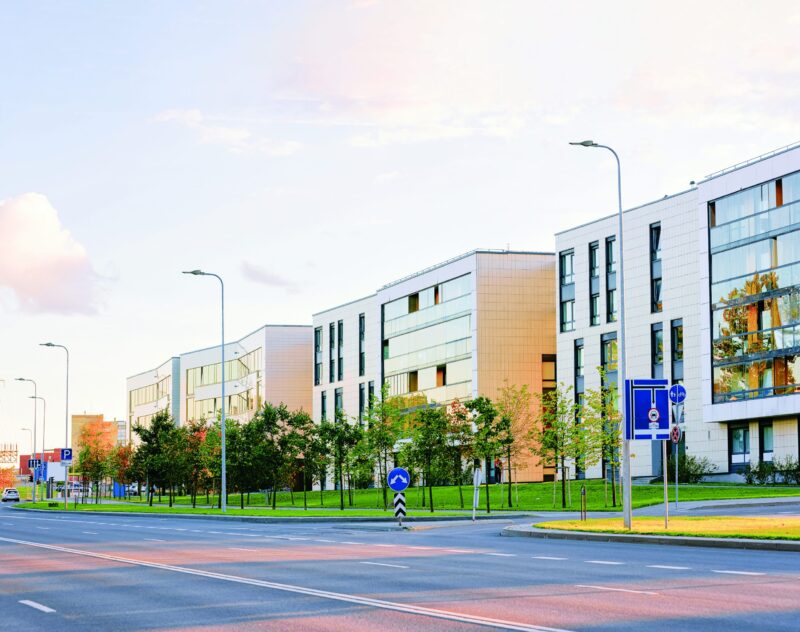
x=66 y=454
x=646 y=409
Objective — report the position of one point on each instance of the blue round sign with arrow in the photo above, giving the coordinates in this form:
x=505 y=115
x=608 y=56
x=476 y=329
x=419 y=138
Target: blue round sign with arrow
x=398 y=479
x=677 y=393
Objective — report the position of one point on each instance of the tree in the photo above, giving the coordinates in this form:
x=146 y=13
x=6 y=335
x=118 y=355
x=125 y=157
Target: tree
x=515 y=406
x=340 y=436
x=302 y=440
x=460 y=442
x=486 y=438
x=383 y=430
x=121 y=465
x=554 y=433
x=94 y=460
x=428 y=447
x=600 y=412
x=198 y=458
x=154 y=451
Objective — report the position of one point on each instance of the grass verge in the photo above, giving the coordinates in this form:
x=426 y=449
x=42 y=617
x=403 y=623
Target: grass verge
x=756 y=527
x=524 y=497
x=232 y=511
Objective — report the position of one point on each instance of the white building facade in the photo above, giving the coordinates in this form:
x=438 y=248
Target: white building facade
x=271 y=364
x=712 y=301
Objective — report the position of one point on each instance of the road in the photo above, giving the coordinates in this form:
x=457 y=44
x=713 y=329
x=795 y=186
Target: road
x=83 y=572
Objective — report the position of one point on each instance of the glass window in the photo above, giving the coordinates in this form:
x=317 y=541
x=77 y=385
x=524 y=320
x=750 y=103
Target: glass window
x=340 y=349
x=594 y=260
x=324 y=405
x=611 y=255
x=742 y=204
x=578 y=359
x=331 y=348
x=362 y=356
x=317 y=355
x=791 y=188
x=766 y=442
x=608 y=354
x=656 y=305
x=611 y=306
x=744 y=260
x=677 y=339
x=370 y=393
x=567 y=315
x=566 y=267
x=739 y=446
x=362 y=401
x=655 y=242
x=657 y=350
x=338 y=403
x=594 y=309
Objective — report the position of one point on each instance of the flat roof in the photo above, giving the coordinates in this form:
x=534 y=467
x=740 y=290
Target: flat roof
x=752 y=161
x=355 y=300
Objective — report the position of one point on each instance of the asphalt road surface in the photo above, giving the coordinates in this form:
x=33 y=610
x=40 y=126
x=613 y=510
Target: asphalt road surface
x=83 y=572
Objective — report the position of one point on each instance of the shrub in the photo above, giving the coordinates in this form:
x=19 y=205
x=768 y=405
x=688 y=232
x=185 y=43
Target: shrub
x=690 y=469
x=788 y=469
x=759 y=473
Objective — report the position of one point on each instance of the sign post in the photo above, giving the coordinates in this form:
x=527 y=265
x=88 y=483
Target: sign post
x=677 y=395
x=647 y=417
x=476 y=488
x=398 y=480
x=66 y=461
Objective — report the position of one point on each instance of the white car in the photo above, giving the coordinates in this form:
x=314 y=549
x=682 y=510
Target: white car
x=10 y=495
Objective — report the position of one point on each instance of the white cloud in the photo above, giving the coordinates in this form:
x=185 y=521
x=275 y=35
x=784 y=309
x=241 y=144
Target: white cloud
x=41 y=262
x=236 y=138
x=257 y=274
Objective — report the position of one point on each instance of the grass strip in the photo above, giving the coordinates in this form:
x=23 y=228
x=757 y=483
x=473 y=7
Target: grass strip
x=755 y=527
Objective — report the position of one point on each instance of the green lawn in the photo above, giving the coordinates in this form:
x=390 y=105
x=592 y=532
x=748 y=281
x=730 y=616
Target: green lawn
x=232 y=511
x=532 y=497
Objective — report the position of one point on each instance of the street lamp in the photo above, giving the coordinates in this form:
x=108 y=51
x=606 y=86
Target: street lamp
x=223 y=479
x=66 y=420
x=626 y=445
x=25 y=379
x=44 y=429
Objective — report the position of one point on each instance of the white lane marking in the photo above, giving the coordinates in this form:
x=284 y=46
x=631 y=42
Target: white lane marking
x=8 y=524
x=322 y=594
x=669 y=568
x=44 y=528
x=738 y=572
x=35 y=604
x=502 y=554
x=356 y=543
x=419 y=548
x=321 y=540
x=386 y=545
x=154 y=540
x=459 y=551
x=381 y=564
x=625 y=590
x=89 y=532
x=289 y=538
x=176 y=529
x=237 y=548
x=547 y=557
x=603 y=562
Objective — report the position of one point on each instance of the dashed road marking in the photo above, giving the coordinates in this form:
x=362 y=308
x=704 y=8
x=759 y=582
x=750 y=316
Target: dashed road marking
x=459 y=551
x=382 y=564
x=547 y=557
x=89 y=532
x=502 y=554
x=356 y=543
x=238 y=548
x=35 y=604
x=604 y=562
x=738 y=572
x=670 y=568
x=625 y=590
x=154 y=540
x=329 y=541
x=44 y=528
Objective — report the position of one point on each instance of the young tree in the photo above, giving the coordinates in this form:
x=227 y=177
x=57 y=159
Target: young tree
x=341 y=437
x=153 y=452
x=600 y=413
x=486 y=442
x=198 y=463
x=94 y=460
x=553 y=435
x=460 y=441
x=428 y=447
x=383 y=430
x=121 y=465
x=302 y=440
x=515 y=406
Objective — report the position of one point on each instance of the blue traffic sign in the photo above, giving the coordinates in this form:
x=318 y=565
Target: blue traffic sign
x=398 y=479
x=66 y=454
x=677 y=393
x=646 y=410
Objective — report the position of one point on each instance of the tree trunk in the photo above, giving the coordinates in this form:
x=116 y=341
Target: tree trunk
x=341 y=486
x=508 y=454
x=305 y=485
x=241 y=499
x=274 y=493
x=563 y=484
x=613 y=486
x=486 y=484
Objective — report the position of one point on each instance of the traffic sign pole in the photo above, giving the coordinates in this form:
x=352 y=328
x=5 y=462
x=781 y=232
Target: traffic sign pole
x=400 y=507
x=664 y=475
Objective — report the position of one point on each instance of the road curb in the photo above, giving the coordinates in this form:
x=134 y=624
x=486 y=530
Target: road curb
x=271 y=519
x=721 y=543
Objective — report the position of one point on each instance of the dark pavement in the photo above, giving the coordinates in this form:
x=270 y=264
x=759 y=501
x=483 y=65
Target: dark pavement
x=84 y=572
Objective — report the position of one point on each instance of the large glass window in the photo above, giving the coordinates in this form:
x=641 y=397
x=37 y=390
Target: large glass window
x=676 y=338
x=655 y=242
x=655 y=268
x=340 y=349
x=594 y=260
x=338 y=400
x=611 y=306
x=755 y=291
x=594 y=309
x=323 y=405
x=765 y=443
x=608 y=353
x=611 y=255
x=331 y=352
x=739 y=447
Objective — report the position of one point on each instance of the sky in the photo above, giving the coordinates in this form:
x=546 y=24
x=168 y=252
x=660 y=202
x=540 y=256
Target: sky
x=311 y=151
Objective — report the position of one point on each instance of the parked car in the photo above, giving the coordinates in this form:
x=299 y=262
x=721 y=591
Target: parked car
x=133 y=489
x=10 y=495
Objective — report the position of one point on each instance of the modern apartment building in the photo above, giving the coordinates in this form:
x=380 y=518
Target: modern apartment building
x=712 y=300
x=455 y=330
x=271 y=364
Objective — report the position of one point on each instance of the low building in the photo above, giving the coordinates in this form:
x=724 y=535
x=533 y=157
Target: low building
x=272 y=364
x=456 y=330
x=712 y=300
